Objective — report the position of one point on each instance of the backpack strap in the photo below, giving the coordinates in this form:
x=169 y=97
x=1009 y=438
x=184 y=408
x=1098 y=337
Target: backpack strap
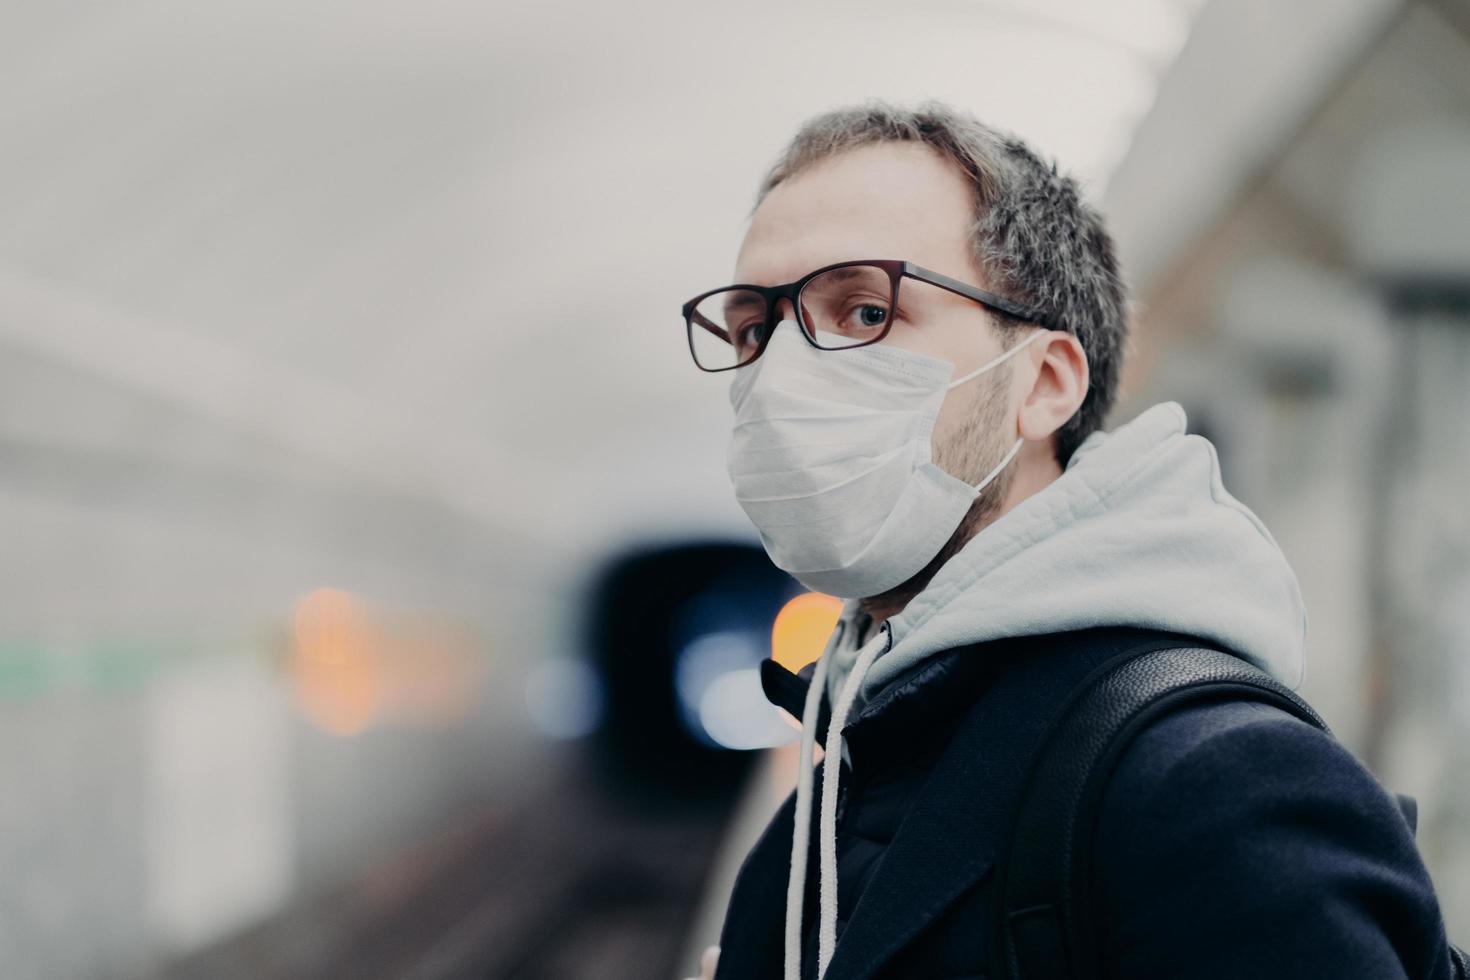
x=1044 y=927
x=1459 y=963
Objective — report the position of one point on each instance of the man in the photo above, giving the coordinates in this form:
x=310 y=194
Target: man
x=926 y=338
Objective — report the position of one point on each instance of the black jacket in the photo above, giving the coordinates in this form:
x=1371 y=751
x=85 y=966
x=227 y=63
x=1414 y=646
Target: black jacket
x=1235 y=841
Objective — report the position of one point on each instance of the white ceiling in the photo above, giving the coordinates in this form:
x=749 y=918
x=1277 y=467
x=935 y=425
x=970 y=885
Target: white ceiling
x=404 y=278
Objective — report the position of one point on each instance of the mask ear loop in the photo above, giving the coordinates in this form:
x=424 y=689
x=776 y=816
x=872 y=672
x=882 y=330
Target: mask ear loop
x=999 y=466
x=998 y=360
x=981 y=370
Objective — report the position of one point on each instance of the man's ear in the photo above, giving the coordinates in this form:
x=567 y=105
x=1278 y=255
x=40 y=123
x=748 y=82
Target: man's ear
x=1058 y=368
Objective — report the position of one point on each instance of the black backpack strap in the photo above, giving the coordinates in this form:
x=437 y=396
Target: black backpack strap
x=1045 y=929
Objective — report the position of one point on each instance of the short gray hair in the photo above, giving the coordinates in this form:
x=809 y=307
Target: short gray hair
x=1033 y=237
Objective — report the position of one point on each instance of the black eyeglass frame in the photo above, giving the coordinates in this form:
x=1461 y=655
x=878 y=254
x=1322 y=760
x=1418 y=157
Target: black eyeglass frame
x=897 y=269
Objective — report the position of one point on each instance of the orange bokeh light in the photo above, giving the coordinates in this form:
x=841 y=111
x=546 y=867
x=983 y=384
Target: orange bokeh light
x=334 y=662
x=356 y=666
x=802 y=629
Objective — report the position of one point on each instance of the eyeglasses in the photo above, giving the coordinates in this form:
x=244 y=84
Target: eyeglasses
x=849 y=304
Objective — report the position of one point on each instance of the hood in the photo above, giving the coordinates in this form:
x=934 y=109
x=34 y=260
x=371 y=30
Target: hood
x=1138 y=531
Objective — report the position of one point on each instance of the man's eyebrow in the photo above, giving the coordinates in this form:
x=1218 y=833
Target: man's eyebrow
x=849 y=272
x=736 y=301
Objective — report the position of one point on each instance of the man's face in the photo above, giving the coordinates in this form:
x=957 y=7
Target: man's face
x=897 y=201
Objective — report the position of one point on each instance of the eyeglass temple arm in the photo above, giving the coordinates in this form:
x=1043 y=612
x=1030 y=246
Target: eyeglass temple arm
x=978 y=295
x=707 y=324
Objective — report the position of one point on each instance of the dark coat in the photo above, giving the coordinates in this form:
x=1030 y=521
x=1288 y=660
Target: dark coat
x=1235 y=841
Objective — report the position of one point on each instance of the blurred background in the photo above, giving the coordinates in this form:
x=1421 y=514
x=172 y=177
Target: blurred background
x=372 y=598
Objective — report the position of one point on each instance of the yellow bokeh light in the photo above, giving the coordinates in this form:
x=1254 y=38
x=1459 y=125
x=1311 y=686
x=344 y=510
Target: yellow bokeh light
x=802 y=629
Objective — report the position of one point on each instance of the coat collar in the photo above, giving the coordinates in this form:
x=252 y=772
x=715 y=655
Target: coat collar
x=950 y=839
x=919 y=706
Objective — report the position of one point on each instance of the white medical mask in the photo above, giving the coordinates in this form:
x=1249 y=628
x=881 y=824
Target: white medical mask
x=831 y=459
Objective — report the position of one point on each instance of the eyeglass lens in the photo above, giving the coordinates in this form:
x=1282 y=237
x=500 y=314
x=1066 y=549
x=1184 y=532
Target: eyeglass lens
x=844 y=307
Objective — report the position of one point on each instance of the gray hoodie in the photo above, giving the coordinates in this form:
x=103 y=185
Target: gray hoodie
x=1138 y=530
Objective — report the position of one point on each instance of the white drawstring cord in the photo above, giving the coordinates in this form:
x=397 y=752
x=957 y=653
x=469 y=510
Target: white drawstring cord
x=796 y=883
x=801 y=829
x=831 y=770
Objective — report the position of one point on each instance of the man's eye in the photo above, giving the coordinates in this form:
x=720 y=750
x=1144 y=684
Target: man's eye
x=750 y=335
x=864 y=318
